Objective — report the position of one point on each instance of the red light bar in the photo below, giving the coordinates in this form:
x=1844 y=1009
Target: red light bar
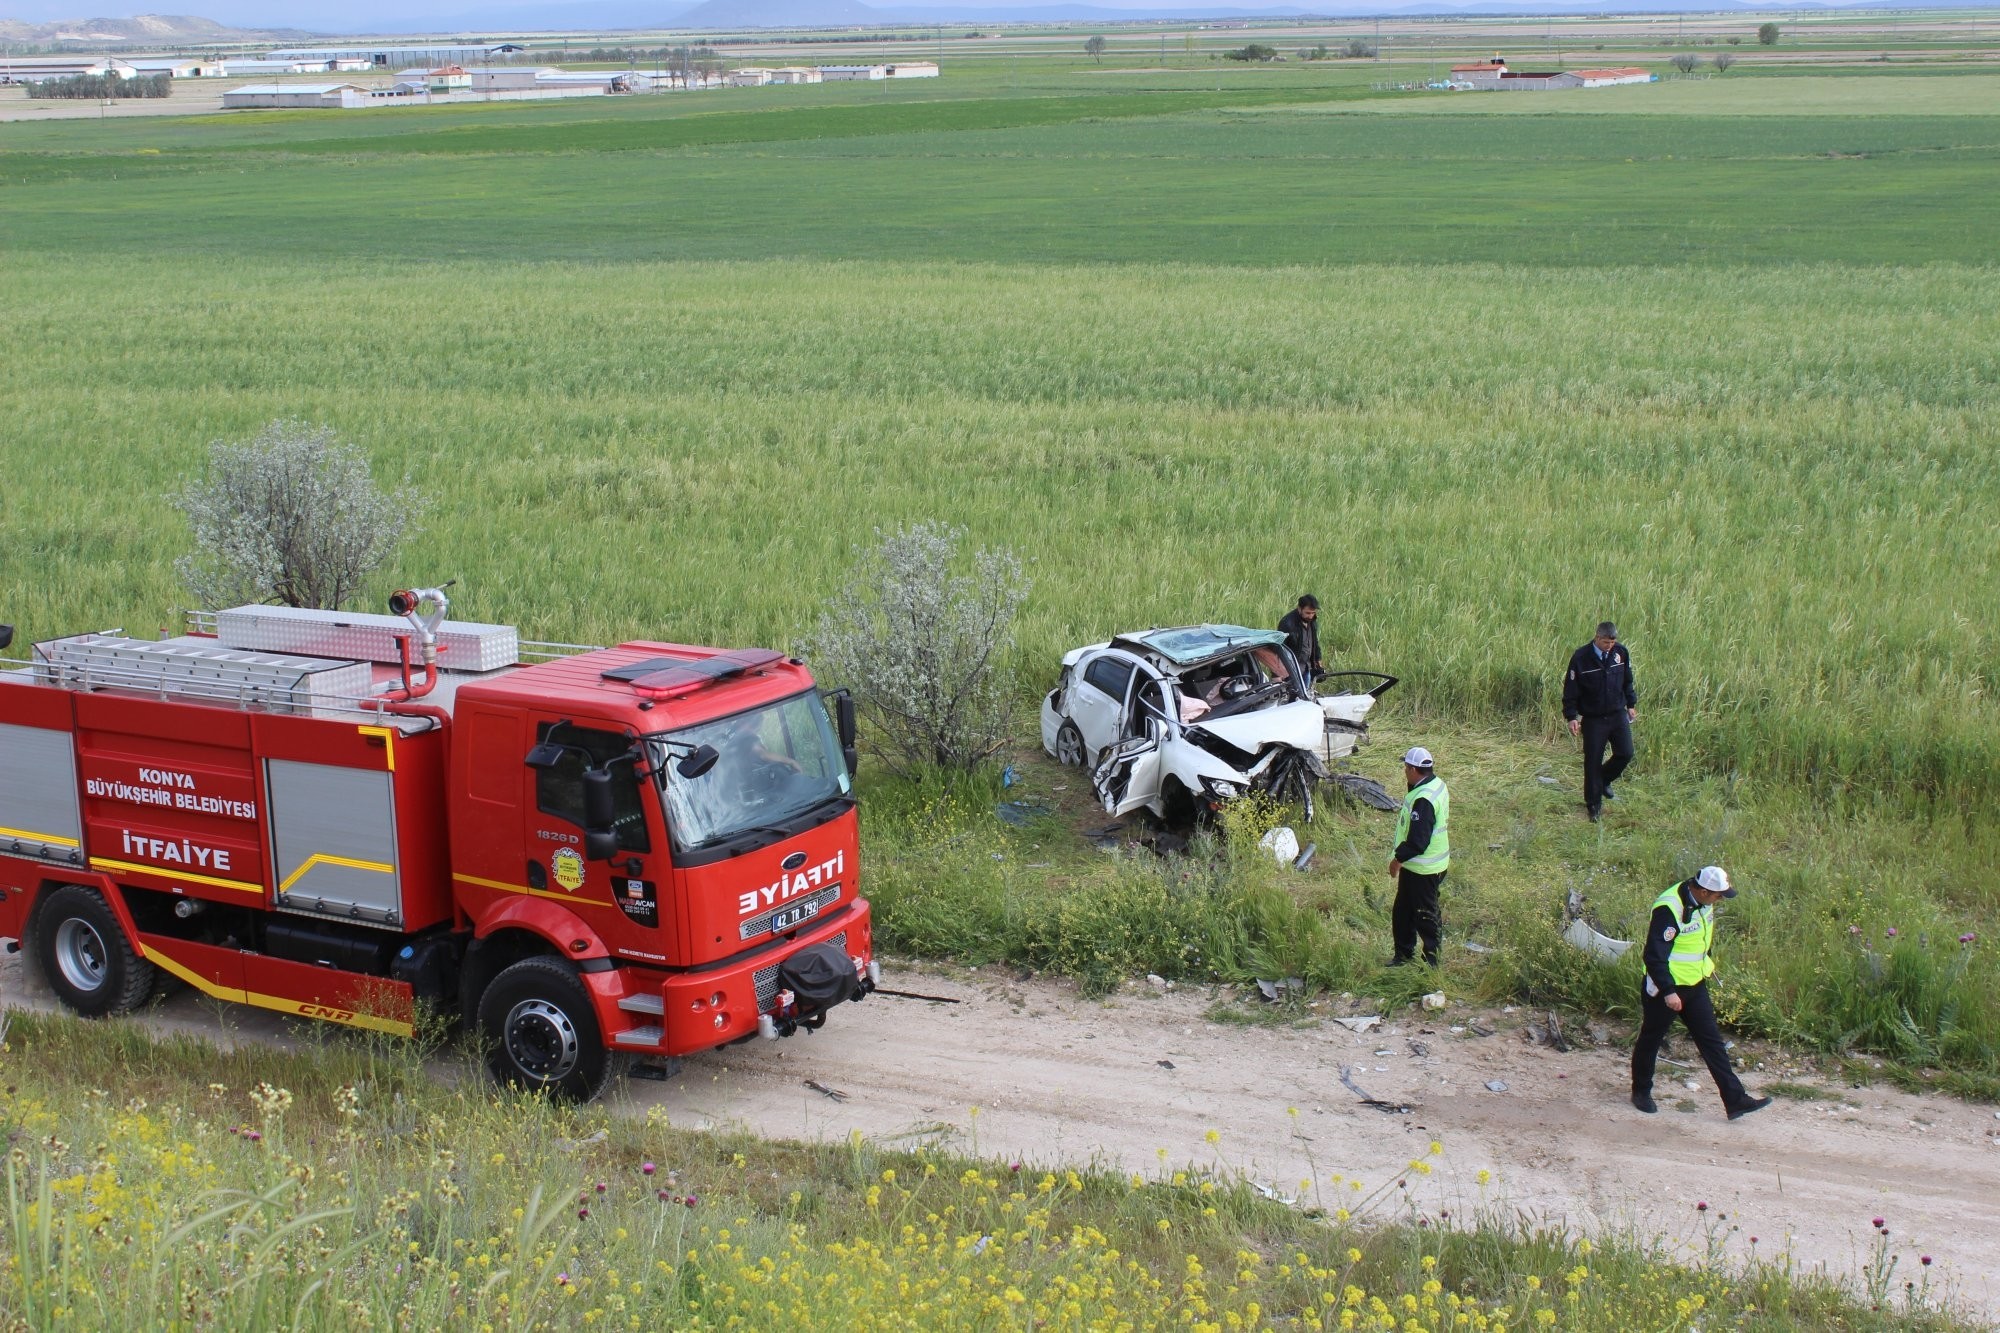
x=673 y=677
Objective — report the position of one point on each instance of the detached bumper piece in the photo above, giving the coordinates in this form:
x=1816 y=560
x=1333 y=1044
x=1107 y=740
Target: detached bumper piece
x=811 y=982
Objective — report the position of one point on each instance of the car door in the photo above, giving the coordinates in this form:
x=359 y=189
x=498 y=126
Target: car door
x=1098 y=703
x=1129 y=777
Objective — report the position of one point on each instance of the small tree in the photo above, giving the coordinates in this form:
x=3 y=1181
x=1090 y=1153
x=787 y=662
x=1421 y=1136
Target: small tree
x=1254 y=51
x=1767 y=34
x=1356 y=49
x=1723 y=60
x=1094 y=48
x=1686 y=62
x=924 y=647
x=290 y=517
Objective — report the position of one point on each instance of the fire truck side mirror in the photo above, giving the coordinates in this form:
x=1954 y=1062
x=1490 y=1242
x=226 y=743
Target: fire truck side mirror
x=697 y=762
x=600 y=844
x=597 y=811
x=843 y=716
x=6 y=635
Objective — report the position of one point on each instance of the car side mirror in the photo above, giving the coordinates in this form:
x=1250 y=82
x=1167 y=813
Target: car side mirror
x=546 y=755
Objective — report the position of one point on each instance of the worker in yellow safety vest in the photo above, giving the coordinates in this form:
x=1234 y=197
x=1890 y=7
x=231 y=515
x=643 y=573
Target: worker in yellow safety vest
x=1679 y=961
x=1422 y=855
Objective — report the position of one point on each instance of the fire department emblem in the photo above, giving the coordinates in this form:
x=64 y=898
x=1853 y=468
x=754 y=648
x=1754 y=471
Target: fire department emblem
x=567 y=867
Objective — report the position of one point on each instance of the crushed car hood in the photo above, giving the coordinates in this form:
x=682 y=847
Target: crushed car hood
x=1298 y=724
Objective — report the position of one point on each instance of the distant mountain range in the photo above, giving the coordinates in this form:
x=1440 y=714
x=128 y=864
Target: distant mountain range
x=145 y=30
x=625 y=16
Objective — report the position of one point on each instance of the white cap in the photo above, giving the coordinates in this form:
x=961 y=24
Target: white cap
x=1716 y=880
x=1418 y=757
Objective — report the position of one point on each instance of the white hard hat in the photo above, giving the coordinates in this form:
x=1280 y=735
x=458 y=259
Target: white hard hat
x=1417 y=757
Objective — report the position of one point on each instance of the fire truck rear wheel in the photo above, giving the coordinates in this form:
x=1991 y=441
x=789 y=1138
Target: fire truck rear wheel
x=541 y=1032
x=85 y=957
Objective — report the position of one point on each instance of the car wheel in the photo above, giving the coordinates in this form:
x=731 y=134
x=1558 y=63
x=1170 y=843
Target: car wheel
x=1069 y=745
x=541 y=1032
x=85 y=957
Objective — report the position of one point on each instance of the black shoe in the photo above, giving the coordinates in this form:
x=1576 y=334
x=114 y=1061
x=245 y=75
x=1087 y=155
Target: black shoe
x=1609 y=794
x=1644 y=1101
x=1399 y=962
x=1595 y=812
x=1741 y=1109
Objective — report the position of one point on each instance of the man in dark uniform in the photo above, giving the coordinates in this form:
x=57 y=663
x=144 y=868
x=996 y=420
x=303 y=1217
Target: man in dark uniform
x=1421 y=858
x=1600 y=704
x=1301 y=630
x=1679 y=962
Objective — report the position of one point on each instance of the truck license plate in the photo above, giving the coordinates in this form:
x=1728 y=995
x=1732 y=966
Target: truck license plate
x=791 y=916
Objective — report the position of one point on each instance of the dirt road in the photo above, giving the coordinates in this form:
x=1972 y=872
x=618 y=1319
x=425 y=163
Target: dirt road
x=1054 y=1077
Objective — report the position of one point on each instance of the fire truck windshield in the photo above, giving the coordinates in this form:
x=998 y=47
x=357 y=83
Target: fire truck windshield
x=773 y=764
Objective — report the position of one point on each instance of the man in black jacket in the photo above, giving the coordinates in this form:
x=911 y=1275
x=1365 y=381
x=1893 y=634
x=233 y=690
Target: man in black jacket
x=1300 y=627
x=1600 y=704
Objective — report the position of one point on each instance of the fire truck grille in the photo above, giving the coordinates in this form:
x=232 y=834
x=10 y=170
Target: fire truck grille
x=795 y=913
x=766 y=978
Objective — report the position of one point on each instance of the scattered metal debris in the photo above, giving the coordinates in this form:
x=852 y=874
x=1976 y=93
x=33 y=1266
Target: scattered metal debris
x=1434 y=1000
x=914 y=995
x=1274 y=991
x=1019 y=813
x=1419 y=1048
x=1358 y=1024
x=1365 y=790
x=821 y=1088
x=1474 y=946
x=1164 y=1064
x=1601 y=946
x=1547 y=781
x=1548 y=1032
x=1479 y=1029
x=1387 y=1108
x=1305 y=858
x=1495 y=1085
x=578 y=1145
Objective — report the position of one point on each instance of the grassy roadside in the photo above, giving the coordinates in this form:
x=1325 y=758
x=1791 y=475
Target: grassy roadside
x=344 y=1187
x=1846 y=941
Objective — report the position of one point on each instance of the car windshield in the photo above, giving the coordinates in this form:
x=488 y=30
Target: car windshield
x=772 y=764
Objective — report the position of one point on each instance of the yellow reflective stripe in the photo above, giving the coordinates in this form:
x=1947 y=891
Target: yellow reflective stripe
x=102 y=863
x=301 y=1008
x=522 y=888
x=49 y=838
x=323 y=859
x=388 y=735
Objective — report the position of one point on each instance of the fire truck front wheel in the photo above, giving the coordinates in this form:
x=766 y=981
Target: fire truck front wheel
x=541 y=1032
x=84 y=955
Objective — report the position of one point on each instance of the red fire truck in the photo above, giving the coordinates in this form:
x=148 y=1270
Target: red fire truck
x=649 y=849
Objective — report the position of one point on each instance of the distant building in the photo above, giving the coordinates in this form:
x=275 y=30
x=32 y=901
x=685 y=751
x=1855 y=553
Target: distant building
x=40 y=69
x=311 y=95
x=386 y=57
x=852 y=73
x=795 y=74
x=1604 y=78
x=236 y=68
x=179 y=67
x=448 y=79
x=749 y=77
x=914 y=69
x=503 y=78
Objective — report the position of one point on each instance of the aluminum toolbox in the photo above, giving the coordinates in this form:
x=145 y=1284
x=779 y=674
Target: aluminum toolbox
x=360 y=636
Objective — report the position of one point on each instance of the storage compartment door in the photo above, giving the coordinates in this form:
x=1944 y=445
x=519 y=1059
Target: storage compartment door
x=333 y=841
x=38 y=806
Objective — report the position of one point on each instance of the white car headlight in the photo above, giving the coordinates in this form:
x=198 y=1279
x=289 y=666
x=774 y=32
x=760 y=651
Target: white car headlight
x=1222 y=789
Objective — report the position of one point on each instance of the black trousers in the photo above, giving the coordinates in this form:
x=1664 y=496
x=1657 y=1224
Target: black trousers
x=1615 y=730
x=1416 y=914
x=1698 y=1017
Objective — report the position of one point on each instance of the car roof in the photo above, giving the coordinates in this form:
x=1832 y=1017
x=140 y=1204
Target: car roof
x=1191 y=645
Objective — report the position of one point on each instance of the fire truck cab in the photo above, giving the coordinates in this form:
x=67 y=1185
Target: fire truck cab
x=649 y=849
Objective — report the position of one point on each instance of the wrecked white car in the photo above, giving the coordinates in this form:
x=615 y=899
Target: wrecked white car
x=1179 y=721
